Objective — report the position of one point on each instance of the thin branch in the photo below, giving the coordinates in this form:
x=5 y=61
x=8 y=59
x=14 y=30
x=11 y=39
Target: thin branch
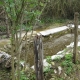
x=2 y=13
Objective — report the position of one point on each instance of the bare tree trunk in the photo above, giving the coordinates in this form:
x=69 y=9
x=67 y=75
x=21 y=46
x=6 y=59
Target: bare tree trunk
x=76 y=15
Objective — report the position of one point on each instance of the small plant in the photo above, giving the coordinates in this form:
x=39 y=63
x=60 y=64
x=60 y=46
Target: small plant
x=48 y=59
x=26 y=76
x=68 y=70
x=68 y=56
x=68 y=64
x=47 y=72
x=31 y=75
x=46 y=69
x=23 y=76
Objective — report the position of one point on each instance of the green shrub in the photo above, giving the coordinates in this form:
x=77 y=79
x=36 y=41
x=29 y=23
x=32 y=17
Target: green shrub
x=46 y=69
x=68 y=56
x=23 y=76
x=68 y=64
x=48 y=59
x=29 y=76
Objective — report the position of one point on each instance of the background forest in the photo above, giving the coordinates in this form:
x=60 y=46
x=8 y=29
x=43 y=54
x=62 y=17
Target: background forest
x=49 y=10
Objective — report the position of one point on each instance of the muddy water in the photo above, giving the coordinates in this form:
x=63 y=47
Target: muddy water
x=51 y=46
x=54 y=45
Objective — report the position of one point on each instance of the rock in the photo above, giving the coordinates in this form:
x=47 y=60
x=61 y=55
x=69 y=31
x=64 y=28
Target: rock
x=65 y=75
x=59 y=69
x=60 y=52
x=45 y=63
x=72 y=44
x=4 y=56
x=5 y=59
x=8 y=63
x=55 y=71
x=52 y=63
x=56 y=56
x=32 y=67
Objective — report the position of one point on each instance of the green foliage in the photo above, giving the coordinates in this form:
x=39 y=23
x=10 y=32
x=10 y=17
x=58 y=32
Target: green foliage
x=68 y=57
x=68 y=64
x=2 y=28
x=41 y=4
x=46 y=20
x=23 y=76
x=48 y=70
x=28 y=76
x=48 y=59
x=18 y=12
x=32 y=77
x=59 y=20
x=15 y=9
x=69 y=70
x=68 y=61
x=1 y=2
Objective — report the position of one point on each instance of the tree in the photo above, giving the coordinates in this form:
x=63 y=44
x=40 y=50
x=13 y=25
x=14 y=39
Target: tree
x=21 y=14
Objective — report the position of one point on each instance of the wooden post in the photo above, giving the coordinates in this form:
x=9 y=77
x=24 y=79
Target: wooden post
x=76 y=15
x=38 y=56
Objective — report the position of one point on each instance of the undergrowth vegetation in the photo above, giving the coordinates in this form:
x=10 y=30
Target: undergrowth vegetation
x=67 y=64
x=49 y=71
